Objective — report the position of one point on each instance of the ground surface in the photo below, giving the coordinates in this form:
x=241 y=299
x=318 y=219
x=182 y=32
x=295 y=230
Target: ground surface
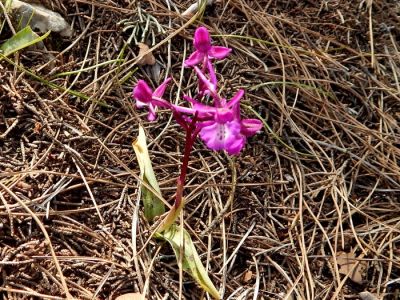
x=319 y=186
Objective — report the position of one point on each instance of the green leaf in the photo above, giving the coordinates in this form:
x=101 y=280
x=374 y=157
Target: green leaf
x=181 y=242
x=153 y=206
x=24 y=38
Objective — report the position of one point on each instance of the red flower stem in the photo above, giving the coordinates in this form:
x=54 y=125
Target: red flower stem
x=190 y=138
x=191 y=134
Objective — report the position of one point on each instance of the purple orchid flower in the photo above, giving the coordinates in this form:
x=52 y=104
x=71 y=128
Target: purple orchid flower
x=203 y=53
x=204 y=49
x=145 y=96
x=227 y=131
x=222 y=131
x=223 y=128
x=219 y=125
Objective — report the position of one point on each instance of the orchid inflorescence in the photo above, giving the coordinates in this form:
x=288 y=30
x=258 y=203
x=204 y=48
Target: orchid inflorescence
x=220 y=125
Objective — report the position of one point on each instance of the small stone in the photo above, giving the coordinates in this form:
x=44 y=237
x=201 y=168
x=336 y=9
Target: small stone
x=367 y=296
x=41 y=18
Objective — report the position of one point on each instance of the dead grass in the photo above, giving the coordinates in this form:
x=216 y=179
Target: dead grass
x=323 y=178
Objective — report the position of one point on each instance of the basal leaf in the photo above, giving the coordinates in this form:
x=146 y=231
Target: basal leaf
x=153 y=206
x=191 y=262
x=24 y=38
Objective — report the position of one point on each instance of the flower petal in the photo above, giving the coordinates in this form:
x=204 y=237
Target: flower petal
x=183 y=109
x=221 y=136
x=236 y=98
x=203 y=79
x=152 y=113
x=224 y=115
x=236 y=146
x=203 y=111
x=159 y=92
x=202 y=41
x=213 y=77
x=219 y=52
x=142 y=92
x=190 y=99
x=195 y=58
x=140 y=104
x=250 y=127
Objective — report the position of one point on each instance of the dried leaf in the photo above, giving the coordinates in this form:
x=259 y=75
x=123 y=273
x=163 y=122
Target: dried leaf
x=349 y=265
x=191 y=262
x=155 y=71
x=131 y=296
x=153 y=206
x=23 y=185
x=37 y=128
x=148 y=59
x=247 y=276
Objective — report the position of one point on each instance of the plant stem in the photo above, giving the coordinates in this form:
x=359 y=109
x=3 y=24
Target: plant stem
x=191 y=134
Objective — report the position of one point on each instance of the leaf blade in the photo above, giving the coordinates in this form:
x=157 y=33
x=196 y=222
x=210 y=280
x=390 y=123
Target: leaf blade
x=24 y=38
x=153 y=206
x=191 y=262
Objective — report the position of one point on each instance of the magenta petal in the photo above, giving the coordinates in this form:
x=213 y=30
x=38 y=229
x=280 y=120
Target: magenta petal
x=224 y=115
x=203 y=90
x=250 y=127
x=202 y=40
x=236 y=98
x=190 y=99
x=221 y=136
x=213 y=77
x=219 y=52
x=203 y=79
x=140 y=104
x=213 y=137
x=202 y=108
x=236 y=110
x=195 y=58
x=159 y=92
x=182 y=109
x=151 y=116
x=236 y=146
x=142 y=92
x=152 y=113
